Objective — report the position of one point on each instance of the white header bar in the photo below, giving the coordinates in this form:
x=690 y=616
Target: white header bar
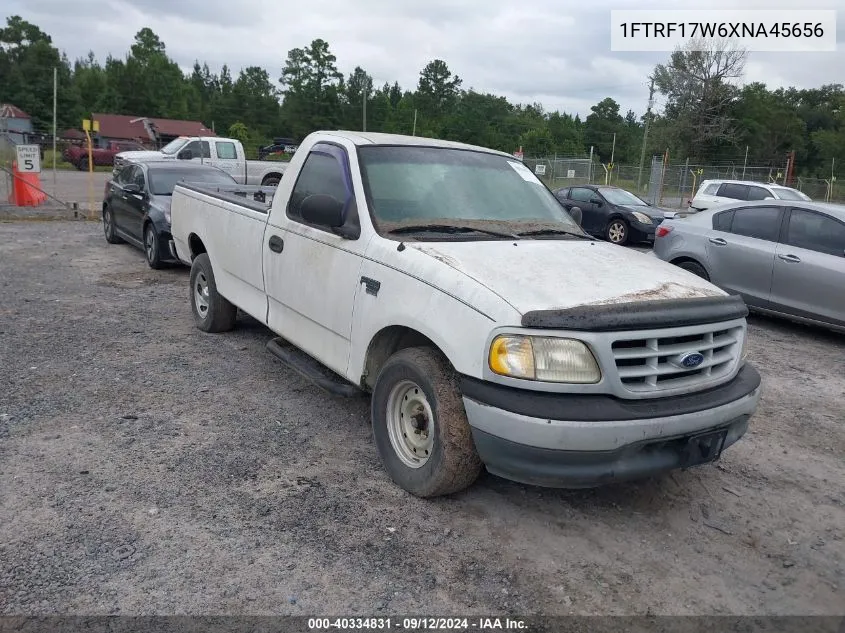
x=755 y=30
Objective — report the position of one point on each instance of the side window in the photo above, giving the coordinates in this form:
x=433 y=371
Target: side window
x=125 y=175
x=225 y=150
x=581 y=194
x=198 y=148
x=722 y=221
x=760 y=222
x=735 y=192
x=711 y=189
x=321 y=174
x=816 y=232
x=758 y=193
x=138 y=177
x=562 y=194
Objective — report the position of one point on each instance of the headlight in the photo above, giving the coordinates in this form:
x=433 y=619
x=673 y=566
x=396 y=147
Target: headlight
x=641 y=217
x=543 y=358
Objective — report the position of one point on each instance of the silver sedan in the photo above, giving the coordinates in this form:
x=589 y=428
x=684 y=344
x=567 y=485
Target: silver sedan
x=784 y=257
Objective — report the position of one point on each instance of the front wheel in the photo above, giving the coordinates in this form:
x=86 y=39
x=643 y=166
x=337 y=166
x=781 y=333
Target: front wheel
x=108 y=227
x=212 y=312
x=420 y=425
x=151 y=248
x=270 y=181
x=617 y=231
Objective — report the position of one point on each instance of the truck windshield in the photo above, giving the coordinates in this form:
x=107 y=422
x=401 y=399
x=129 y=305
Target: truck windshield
x=417 y=186
x=162 y=181
x=174 y=146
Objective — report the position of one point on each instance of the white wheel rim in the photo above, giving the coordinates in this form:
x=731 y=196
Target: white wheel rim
x=410 y=424
x=149 y=242
x=201 y=295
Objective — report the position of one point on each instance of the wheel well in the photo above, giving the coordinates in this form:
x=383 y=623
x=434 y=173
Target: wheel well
x=386 y=343
x=195 y=245
x=272 y=175
x=682 y=260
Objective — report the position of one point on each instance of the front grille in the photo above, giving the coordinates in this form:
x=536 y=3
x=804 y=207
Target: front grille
x=653 y=363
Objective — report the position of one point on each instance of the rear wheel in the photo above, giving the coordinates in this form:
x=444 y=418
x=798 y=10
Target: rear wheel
x=151 y=247
x=270 y=181
x=212 y=312
x=617 y=231
x=420 y=425
x=695 y=268
x=108 y=227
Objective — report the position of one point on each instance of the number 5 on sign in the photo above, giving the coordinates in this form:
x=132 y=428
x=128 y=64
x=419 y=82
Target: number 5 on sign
x=29 y=158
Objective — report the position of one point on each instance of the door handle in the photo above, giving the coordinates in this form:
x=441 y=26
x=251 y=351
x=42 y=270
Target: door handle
x=276 y=244
x=794 y=259
x=718 y=241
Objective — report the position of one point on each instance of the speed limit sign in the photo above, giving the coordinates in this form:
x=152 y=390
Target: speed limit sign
x=29 y=158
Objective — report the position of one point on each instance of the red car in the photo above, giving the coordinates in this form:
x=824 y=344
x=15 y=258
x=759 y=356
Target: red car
x=77 y=155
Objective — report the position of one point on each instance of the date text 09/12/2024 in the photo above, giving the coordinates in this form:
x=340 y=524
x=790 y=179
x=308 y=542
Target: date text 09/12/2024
x=417 y=624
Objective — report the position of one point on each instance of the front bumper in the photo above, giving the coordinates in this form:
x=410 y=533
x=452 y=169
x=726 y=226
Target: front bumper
x=579 y=441
x=640 y=232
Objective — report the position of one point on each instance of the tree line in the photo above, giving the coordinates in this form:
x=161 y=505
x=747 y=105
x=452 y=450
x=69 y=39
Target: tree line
x=704 y=115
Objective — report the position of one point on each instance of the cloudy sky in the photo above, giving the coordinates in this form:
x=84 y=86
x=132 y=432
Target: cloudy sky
x=556 y=52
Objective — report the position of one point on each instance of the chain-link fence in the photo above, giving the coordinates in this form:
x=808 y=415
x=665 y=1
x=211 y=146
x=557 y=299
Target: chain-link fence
x=671 y=185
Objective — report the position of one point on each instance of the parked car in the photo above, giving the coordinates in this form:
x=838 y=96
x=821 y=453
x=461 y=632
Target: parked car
x=446 y=280
x=77 y=155
x=786 y=258
x=280 y=147
x=224 y=153
x=713 y=193
x=612 y=213
x=136 y=204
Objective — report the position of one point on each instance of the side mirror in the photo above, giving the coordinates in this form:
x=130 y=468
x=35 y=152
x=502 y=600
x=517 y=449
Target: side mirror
x=576 y=214
x=596 y=201
x=131 y=187
x=185 y=154
x=322 y=210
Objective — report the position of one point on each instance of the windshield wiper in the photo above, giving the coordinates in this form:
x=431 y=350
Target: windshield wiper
x=448 y=228
x=552 y=232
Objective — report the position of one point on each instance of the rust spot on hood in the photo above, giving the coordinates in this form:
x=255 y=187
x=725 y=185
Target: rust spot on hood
x=668 y=290
x=433 y=252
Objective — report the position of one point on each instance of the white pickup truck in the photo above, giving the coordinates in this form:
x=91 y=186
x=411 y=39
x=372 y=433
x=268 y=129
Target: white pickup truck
x=224 y=153
x=448 y=282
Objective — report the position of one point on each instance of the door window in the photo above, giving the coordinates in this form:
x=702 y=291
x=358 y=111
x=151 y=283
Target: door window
x=711 y=189
x=762 y=223
x=322 y=173
x=562 y=194
x=733 y=191
x=758 y=193
x=816 y=232
x=198 y=148
x=722 y=221
x=582 y=194
x=226 y=150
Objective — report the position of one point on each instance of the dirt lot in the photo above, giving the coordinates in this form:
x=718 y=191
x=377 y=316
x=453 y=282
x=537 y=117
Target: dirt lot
x=146 y=468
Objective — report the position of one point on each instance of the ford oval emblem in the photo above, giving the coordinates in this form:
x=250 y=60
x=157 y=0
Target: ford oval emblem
x=689 y=360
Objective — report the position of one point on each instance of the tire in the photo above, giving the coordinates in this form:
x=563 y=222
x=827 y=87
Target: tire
x=82 y=164
x=212 y=313
x=270 y=181
x=152 y=250
x=695 y=268
x=421 y=380
x=617 y=231
x=108 y=227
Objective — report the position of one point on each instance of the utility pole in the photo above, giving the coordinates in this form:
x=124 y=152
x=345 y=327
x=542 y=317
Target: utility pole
x=414 y=133
x=613 y=148
x=744 y=163
x=365 y=111
x=645 y=132
x=55 y=100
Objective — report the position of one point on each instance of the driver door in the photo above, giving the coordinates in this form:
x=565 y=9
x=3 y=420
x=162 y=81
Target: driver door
x=592 y=220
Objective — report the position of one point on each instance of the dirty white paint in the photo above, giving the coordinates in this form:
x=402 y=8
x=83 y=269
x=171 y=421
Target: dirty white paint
x=455 y=293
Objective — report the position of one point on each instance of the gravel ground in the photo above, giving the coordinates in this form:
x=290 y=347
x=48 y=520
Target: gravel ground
x=148 y=468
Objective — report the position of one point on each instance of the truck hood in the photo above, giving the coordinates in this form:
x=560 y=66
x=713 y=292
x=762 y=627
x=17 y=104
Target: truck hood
x=141 y=156
x=559 y=274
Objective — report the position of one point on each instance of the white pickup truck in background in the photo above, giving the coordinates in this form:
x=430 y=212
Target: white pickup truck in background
x=224 y=153
x=448 y=282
